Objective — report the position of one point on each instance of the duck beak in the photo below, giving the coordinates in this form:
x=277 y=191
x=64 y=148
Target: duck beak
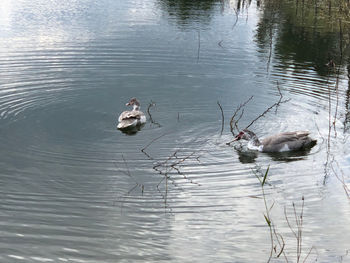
x=128 y=104
x=237 y=138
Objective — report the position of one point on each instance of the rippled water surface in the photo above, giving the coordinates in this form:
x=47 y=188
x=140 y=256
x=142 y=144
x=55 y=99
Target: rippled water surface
x=75 y=189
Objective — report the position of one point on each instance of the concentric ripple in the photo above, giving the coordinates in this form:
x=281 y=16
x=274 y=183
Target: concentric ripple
x=75 y=189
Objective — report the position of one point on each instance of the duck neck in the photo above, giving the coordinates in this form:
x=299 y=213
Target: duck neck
x=255 y=141
x=136 y=107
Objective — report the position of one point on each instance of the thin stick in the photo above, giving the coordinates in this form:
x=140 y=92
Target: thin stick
x=222 y=118
x=276 y=104
x=308 y=254
x=278 y=236
x=342 y=180
x=235 y=124
x=199 y=45
x=126 y=165
x=144 y=148
x=326 y=166
x=270 y=48
x=290 y=227
x=235 y=113
x=151 y=104
x=236 y=18
x=220 y=44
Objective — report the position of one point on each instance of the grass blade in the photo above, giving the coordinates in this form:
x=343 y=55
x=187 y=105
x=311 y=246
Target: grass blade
x=265 y=176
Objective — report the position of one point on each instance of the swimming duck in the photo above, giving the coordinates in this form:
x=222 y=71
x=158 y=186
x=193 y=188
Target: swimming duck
x=135 y=117
x=282 y=142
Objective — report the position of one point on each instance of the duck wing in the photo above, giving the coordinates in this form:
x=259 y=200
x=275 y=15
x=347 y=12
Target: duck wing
x=125 y=115
x=287 y=141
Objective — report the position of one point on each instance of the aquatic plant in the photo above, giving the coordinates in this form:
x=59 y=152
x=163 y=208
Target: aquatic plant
x=278 y=242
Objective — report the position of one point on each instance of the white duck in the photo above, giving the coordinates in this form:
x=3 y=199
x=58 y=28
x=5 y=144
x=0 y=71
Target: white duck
x=282 y=142
x=133 y=118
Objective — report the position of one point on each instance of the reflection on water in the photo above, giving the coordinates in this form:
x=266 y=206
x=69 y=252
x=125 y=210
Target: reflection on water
x=132 y=130
x=245 y=155
x=189 y=11
x=75 y=189
x=303 y=36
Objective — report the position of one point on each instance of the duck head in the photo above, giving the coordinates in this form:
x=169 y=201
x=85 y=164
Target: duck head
x=135 y=103
x=245 y=135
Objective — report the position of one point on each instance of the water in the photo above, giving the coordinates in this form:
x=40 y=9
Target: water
x=75 y=189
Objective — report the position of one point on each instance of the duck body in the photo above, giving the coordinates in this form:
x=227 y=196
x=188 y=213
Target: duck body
x=133 y=118
x=281 y=142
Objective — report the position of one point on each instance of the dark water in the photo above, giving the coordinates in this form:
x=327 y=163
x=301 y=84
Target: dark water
x=75 y=189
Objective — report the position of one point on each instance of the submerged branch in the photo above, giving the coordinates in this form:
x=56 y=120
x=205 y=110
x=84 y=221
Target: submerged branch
x=171 y=166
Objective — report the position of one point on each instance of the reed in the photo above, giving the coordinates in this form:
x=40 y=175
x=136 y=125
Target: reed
x=277 y=241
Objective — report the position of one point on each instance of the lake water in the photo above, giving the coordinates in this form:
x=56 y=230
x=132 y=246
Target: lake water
x=75 y=189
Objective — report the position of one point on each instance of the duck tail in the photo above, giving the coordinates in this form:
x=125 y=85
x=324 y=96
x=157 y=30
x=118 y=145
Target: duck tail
x=124 y=124
x=310 y=143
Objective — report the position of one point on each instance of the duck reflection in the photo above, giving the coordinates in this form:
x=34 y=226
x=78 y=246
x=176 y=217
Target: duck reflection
x=249 y=156
x=132 y=130
x=290 y=156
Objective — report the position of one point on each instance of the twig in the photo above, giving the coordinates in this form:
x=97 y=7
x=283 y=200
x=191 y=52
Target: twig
x=308 y=254
x=144 y=148
x=278 y=237
x=276 y=104
x=270 y=48
x=289 y=225
x=236 y=18
x=220 y=44
x=280 y=99
x=170 y=166
x=232 y=123
x=151 y=104
x=137 y=184
x=338 y=73
x=222 y=118
x=199 y=44
x=126 y=165
x=329 y=127
x=298 y=233
x=342 y=179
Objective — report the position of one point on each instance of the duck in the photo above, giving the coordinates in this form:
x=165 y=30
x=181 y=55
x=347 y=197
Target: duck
x=133 y=118
x=281 y=142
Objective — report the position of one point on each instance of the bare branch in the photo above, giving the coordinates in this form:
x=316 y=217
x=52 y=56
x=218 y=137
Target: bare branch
x=234 y=123
x=276 y=104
